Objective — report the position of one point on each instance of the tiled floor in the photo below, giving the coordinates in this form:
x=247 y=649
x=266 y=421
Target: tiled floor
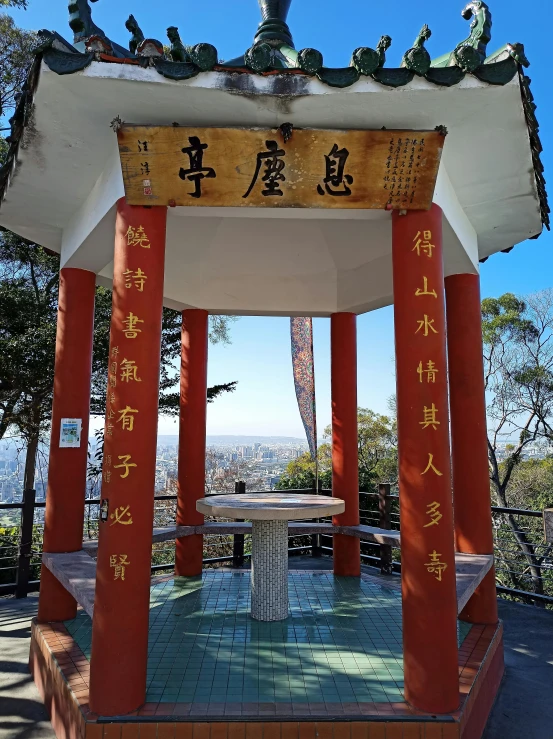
x=340 y=644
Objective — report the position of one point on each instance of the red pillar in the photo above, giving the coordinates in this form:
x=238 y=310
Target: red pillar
x=469 y=441
x=345 y=465
x=427 y=546
x=121 y=610
x=63 y=522
x=193 y=412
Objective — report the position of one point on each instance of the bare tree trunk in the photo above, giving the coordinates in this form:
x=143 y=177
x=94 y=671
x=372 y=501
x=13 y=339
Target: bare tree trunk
x=529 y=553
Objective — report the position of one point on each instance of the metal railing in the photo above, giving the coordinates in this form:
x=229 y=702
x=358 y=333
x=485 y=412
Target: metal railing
x=524 y=560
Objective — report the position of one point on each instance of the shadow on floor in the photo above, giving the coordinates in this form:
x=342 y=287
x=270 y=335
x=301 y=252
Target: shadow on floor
x=22 y=715
x=524 y=707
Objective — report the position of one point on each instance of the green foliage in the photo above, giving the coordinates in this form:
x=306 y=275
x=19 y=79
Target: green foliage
x=504 y=320
x=518 y=365
x=377 y=449
x=15 y=58
x=300 y=473
x=28 y=309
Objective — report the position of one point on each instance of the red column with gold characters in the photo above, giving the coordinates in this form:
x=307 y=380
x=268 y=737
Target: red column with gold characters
x=427 y=543
x=469 y=440
x=64 y=517
x=121 y=610
x=193 y=412
x=345 y=464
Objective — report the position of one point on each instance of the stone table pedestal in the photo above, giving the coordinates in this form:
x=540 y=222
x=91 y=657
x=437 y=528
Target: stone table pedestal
x=270 y=513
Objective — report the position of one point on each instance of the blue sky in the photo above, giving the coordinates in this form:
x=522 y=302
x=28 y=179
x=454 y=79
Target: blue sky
x=259 y=357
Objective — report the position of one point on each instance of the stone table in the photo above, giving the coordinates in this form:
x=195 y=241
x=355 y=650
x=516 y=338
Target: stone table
x=269 y=514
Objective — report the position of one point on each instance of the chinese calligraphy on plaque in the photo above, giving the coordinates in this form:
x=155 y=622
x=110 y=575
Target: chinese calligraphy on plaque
x=171 y=165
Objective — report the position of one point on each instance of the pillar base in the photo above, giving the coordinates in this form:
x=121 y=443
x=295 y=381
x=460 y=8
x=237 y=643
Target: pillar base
x=482 y=607
x=347 y=555
x=55 y=603
x=189 y=554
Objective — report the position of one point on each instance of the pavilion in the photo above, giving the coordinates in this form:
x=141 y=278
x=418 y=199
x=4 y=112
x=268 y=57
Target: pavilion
x=453 y=144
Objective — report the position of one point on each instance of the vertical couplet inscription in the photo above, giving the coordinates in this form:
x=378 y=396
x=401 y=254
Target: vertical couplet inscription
x=428 y=559
x=120 y=625
x=124 y=390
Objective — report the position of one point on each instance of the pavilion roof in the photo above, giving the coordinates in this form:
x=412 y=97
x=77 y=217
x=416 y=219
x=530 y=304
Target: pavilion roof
x=272 y=55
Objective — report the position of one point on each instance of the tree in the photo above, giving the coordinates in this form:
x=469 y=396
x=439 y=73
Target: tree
x=15 y=58
x=301 y=472
x=13 y=3
x=28 y=306
x=518 y=362
x=29 y=278
x=377 y=451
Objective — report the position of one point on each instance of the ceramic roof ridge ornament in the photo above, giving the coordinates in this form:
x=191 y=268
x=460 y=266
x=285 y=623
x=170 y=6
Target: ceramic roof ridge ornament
x=137 y=37
x=80 y=21
x=273 y=27
x=471 y=53
x=178 y=49
x=273 y=46
x=417 y=59
x=203 y=56
x=87 y=36
x=366 y=60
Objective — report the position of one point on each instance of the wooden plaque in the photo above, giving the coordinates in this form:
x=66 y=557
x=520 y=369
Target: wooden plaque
x=170 y=165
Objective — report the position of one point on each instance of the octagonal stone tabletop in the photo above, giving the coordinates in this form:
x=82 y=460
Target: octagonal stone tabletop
x=270 y=506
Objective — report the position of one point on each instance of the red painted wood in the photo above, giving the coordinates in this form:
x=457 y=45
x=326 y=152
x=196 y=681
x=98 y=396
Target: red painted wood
x=469 y=441
x=428 y=590
x=64 y=516
x=345 y=469
x=120 y=626
x=193 y=414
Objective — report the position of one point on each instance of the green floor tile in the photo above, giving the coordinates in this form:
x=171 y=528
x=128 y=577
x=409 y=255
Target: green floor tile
x=341 y=642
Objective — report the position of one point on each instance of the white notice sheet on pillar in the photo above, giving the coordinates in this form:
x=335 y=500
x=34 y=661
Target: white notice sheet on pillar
x=70 y=433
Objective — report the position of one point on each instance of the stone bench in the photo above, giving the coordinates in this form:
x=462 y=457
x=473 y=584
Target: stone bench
x=76 y=571
x=295 y=528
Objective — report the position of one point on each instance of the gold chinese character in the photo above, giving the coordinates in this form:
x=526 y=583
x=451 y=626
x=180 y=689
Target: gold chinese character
x=426 y=325
x=425 y=290
x=108 y=460
x=430 y=371
x=109 y=429
x=130 y=330
x=113 y=381
x=137 y=237
x=126 y=464
x=423 y=243
x=112 y=398
x=121 y=515
x=126 y=419
x=129 y=371
x=435 y=567
x=119 y=562
x=433 y=510
x=138 y=278
x=111 y=412
x=107 y=476
x=430 y=466
x=115 y=351
x=430 y=418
